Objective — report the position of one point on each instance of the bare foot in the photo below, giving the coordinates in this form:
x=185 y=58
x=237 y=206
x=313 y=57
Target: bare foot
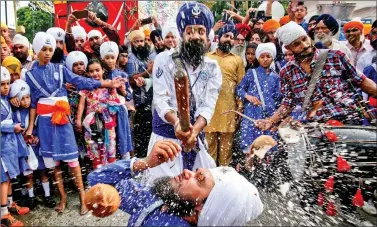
x=61 y=206
x=83 y=210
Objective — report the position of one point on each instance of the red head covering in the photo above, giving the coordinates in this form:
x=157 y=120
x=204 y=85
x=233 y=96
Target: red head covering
x=243 y=29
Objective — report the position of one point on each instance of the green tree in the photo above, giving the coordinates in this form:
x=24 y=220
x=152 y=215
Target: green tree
x=34 y=21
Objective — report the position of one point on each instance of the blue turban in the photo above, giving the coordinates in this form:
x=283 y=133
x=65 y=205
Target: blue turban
x=194 y=13
x=228 y=27
x=330 y=23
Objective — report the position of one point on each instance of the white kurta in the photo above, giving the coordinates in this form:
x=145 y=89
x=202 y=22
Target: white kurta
x=206 y=82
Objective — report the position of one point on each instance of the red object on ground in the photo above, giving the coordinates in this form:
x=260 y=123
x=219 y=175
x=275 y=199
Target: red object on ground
x=331 y=136
x=331 y=209
x=329 y=184
x=343 y=165
x=358 y=199
x=373 y=102
x=320 y=199
x=334 y=123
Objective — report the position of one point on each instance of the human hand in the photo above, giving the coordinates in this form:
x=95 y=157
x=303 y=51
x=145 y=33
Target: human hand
x=254 y=100
x=71 y=19
x=150 y=67
x=15 y=101
x=162 y=152
x=140 y=81
x=35 y=140
x=181 y=135
x=70 y=87
x=78 y=126
x=92 y=16
x=18 y=128
x=263 y=124
x=217 y=26
x=117 y=82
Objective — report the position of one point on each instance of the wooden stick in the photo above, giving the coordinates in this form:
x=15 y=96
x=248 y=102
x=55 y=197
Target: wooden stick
x=242 y=115
x=181 y=84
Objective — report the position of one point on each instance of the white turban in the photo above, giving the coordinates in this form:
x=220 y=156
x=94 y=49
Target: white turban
x=75 y=56
x=42 y=39
x=5 y=75
x=109 y=48
x=78 y=32
x=266 y=48
x=21 y=40
x=19 y=88
x=170 y=27
x=290 y=32
x=58 y=33
x=94 y=33
x=233 y=201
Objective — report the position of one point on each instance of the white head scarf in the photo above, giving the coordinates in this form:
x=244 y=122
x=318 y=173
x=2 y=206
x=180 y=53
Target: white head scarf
x=58 y=33
x=170 y=27
x=109 y=48
x=233 y=200
x=94 y=33
x=5 y=75
x=78 y=32
x=290 y=32
x=19 y=88
x=20 y=39
x=266 y=48
x=75 y=56
x=42 y=39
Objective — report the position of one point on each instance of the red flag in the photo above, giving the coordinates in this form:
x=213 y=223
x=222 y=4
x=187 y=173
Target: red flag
x=331 y=209
x=358 y=199
x=343 y=165
x=329 y=185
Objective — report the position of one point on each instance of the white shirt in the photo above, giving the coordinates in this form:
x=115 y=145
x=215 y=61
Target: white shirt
x=366 y=60
x=206 y=90
x=356 y=54
x=336 y=45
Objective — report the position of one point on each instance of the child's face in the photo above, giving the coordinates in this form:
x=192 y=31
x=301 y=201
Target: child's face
x=14 y=76
x=265 y=60
x=79 y=68
x=45 y=54
x=110 y=61
x=5 y=87
x=95 y=71
x=25 y=101
x=250 y=55
x=123 y=59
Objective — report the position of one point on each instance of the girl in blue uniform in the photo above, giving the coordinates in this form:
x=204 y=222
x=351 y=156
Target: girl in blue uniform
x=109 y=54
x=21 y=90
x=49 y=101
x=10 y=155
x=260 y=92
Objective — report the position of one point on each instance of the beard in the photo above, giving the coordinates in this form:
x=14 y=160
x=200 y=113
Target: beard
x=163 y=188
x=58 y=55
x=159 y=50
x=22 y=56
x=304 y=56
x=323 y=38
x=225 y=46
x=141 y=52
x=374 y=44
x=193 y=52
x=239 y=50
x=96 y=49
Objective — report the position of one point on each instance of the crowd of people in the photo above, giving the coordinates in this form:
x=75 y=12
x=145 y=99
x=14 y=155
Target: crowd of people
x=71 y=97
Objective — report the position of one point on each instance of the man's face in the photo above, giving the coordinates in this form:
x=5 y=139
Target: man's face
x=353 y=35
x=311 y=25
x=194 y=186
x=159 y=43
x=240 y=40
x=95 y=42
x=271 y=35
x=123 y=59
x=78 y=68
x=322 y=33
x=79 y=43
x=170 y=40
x=255 y=38
x=301 y=46
x=4 y=32
x=60 y=44
x=14 y=77
x=138 y=42
x=300 y=12
x=21 y=52
x=373 y=34
x=148 y=40
x=259 y=24
x=195 y=32
x=5 y=52
x=250 y=56
x=226 y=42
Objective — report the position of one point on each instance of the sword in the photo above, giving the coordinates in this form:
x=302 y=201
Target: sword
x=241 y=114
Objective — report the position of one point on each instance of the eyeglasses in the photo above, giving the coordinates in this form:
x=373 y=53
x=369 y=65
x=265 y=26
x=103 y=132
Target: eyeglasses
x=352 y=30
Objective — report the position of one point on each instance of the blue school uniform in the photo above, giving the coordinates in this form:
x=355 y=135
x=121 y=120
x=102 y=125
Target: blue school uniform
x=123 y=129
x=270 y=89
x=136 y=199
x=56 y=141
x=10 y=153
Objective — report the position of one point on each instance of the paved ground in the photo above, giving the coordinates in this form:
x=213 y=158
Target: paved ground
x=277 y=212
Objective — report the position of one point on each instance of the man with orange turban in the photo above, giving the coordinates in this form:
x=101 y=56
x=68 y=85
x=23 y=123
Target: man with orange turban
x=5 y=51
x=284 y=20
x=147 y=34
x=14 y=67
x=270 y=27
x=355 y=40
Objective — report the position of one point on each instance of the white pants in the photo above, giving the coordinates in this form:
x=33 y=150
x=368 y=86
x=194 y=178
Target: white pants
x=175 y=167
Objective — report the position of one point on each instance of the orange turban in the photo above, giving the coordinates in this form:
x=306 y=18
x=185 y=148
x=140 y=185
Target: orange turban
x=270 y=24
x=353 y=24
x=367 y=29
x=147 y=32
x=284 y=20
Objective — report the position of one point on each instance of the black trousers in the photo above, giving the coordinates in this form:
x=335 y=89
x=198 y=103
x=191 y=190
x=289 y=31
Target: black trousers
x=142 y=129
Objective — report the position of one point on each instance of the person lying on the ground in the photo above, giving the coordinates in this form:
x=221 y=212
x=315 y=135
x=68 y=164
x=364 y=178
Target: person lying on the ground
x=218 y=196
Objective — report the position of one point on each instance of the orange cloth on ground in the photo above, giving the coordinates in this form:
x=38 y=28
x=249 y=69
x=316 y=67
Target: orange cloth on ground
x=270 y=24
x=284 y=20
x=60 y=112
x=353 y=24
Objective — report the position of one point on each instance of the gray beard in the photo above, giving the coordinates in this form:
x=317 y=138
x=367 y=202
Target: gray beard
x=326 y=39
x=239 y=50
